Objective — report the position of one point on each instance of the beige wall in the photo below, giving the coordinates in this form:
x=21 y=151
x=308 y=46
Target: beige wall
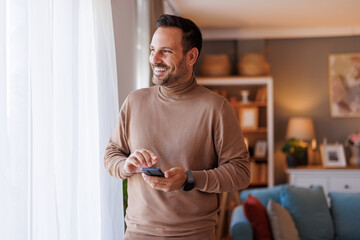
x=124 y=21
x=300 y=71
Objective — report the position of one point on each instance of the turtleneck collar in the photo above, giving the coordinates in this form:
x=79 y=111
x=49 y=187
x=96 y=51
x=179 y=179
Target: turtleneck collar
x=178 y=91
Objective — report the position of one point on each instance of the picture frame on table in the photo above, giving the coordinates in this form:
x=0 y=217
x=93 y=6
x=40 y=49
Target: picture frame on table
x=248 y=117
x=260 y=149
x=333 y=155
x=344 y=87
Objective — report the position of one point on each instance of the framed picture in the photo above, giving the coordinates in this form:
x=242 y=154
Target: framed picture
x=344 y=85
x=333 y=155
x=248 y=117
x=260 y=149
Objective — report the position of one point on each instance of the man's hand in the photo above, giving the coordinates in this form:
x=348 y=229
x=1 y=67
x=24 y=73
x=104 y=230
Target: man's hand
x=142 y=158
x=173 y=180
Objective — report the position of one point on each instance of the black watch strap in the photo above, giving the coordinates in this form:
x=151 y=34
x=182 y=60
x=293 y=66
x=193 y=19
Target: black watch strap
x=190 y=182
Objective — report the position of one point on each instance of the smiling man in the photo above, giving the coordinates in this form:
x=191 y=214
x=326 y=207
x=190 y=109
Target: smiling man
x=184 y=129
x=171 y=64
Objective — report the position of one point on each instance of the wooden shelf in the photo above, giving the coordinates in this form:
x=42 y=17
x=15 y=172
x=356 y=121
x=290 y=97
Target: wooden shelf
x=249 y=104
x=260 y=89
x=258 y=130
x=260 y=97
x=258 y=159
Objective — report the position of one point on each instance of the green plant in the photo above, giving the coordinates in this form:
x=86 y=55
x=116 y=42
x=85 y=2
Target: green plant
x=295 y=148
x=125 y=195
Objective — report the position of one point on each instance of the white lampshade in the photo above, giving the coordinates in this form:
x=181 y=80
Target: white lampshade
x=300 y=128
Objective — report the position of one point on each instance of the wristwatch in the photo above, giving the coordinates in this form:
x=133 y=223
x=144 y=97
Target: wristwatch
x=190 y=182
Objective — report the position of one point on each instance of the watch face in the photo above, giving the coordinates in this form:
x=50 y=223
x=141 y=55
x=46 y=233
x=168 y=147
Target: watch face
x=189 y=186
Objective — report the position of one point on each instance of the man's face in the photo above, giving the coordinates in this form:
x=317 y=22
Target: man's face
x=166 y=57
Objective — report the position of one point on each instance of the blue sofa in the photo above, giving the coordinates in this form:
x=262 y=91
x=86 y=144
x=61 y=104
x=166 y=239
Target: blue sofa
x=308 y=208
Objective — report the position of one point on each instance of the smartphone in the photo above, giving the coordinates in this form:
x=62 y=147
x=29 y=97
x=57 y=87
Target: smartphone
x=152 y=172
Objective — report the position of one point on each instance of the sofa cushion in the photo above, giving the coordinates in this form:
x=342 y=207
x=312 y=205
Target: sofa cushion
x=281 y=222
x=240 y=227
x=257 y=216
x=345 y=209
x=309 y=209
x=263 y=194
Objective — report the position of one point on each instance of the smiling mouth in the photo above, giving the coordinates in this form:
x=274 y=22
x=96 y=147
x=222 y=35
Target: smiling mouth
x=159 y=70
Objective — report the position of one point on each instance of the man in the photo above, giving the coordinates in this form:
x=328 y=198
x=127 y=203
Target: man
x=186 y=130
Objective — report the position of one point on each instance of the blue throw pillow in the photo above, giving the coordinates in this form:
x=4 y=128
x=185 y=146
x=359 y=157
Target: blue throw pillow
x=263 y=194
x=309 y=209
x=345 y=209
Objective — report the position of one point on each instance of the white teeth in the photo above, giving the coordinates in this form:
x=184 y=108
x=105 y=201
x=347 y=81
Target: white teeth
x=160 y=69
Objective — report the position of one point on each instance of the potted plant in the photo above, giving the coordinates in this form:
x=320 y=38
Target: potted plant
x=296 y=152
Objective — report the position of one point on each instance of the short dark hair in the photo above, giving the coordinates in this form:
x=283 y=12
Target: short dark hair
x=191 y=33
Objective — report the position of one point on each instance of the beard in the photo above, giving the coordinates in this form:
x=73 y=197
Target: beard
x=171 y=78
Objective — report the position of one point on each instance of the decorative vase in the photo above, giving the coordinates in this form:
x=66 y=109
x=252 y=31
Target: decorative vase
x=253 y=64
x=216 y=65
x=244 y=96
x=355 y=156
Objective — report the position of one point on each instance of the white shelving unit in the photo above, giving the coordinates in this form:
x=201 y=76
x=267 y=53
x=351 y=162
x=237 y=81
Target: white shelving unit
x=234 y=84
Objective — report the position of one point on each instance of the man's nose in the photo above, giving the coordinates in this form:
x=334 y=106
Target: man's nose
x=155 y=58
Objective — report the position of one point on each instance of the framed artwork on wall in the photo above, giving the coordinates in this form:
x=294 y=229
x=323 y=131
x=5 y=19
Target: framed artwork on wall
x=248 y=117
x=333 y=155
x=344 y=85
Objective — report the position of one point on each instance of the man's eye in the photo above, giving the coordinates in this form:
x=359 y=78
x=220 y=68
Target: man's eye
x=166 y=51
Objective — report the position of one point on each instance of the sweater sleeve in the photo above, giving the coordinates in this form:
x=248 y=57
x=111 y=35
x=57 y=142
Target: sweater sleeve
x=232 y=172
x=117 y=149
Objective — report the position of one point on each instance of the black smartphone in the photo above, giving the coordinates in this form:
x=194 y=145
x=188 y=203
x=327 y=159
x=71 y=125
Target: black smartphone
x=152 y=172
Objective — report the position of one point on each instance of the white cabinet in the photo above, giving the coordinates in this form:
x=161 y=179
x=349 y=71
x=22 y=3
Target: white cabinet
x=255 y=116
x=332 y=180
x=345 y=183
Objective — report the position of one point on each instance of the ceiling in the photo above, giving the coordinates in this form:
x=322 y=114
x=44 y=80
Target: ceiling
x=270 y=18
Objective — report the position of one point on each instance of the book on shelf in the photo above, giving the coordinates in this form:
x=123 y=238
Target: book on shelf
x=263 y=173
x=259 y=173
x=261 y=95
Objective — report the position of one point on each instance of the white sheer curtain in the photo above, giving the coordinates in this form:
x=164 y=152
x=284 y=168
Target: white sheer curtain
x=58 y=106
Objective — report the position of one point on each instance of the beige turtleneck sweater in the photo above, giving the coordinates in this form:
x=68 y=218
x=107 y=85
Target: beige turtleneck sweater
x=186 y=126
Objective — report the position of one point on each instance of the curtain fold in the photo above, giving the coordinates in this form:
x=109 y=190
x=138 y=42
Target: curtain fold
x=14 y=145
x=59 y=104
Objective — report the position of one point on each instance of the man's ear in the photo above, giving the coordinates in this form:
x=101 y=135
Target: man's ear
x=192 y=56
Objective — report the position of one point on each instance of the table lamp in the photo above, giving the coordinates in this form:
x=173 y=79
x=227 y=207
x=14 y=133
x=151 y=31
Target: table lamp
x=302 y=130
